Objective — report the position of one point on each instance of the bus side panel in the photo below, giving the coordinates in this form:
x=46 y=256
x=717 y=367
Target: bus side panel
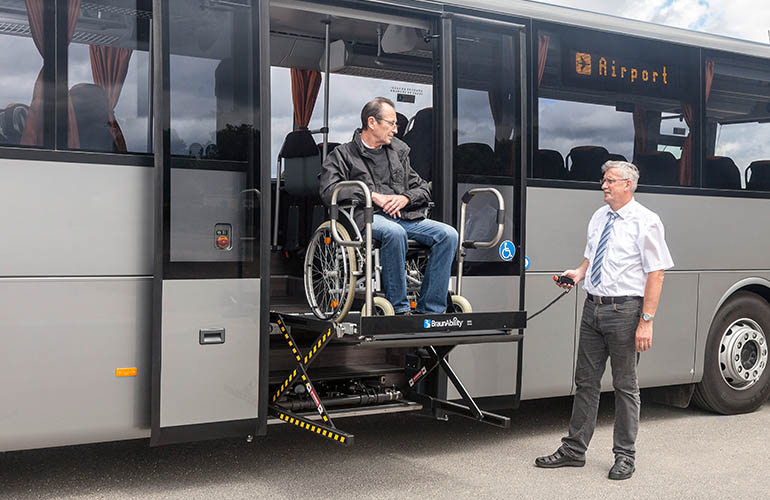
x=712 y=288
x=68 y=219
x=671 y=359
x=64 y=340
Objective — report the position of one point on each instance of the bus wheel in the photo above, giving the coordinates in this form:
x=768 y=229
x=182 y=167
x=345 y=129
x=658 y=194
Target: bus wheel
x=735 y=374
x=461 y=305
x=381 y=306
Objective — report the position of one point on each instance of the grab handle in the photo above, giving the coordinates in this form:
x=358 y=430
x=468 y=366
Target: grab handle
x=463 y=244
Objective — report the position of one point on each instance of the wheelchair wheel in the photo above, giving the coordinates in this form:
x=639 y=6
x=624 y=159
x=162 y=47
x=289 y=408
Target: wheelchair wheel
x=381 y=306
x=460 y=304
x=329 y=274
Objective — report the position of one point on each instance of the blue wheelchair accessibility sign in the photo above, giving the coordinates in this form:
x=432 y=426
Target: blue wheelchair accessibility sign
x=507 y=250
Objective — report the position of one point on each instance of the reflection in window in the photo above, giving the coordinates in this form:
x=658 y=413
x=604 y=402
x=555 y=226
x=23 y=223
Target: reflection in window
x=606 y=98
x=737 y=112
x=108 y=75
x=22 y=38
x=212 y=116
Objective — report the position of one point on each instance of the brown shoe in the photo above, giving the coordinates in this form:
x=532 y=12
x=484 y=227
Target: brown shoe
x=559 y=459
x=623 y=468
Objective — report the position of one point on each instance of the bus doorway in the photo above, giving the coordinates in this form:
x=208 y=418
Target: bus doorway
x=335 y=60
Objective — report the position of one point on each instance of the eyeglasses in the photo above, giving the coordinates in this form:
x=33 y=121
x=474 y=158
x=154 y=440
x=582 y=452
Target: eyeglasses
x=610 y=181
x=391 y=123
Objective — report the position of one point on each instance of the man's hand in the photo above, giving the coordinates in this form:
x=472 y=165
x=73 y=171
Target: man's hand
x=643 y=336
x=576 y=275
x=391 y=204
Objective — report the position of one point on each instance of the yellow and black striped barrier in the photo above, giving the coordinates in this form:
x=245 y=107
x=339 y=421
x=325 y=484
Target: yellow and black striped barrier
x=318 y=429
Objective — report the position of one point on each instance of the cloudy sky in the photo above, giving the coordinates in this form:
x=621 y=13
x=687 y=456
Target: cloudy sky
x=744 y=19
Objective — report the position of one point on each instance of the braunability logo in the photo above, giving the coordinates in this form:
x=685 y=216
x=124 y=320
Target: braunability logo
x=432 y=323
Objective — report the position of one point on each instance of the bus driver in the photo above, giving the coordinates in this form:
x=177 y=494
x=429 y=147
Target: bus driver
x=401 y=198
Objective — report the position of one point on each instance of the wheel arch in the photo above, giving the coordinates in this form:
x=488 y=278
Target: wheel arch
x=755 y=284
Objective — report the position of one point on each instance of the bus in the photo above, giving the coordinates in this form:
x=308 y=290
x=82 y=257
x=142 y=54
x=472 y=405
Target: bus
x=159 y=161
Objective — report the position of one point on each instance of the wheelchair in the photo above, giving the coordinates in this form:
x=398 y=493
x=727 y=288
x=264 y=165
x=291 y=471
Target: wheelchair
x=342 y=264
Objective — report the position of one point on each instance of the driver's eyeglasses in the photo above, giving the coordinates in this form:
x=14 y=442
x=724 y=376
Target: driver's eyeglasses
x=610 y=181
x=391 y=123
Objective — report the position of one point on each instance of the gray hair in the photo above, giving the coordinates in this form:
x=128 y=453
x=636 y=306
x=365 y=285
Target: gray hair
x=628 y=171
x=374 y=108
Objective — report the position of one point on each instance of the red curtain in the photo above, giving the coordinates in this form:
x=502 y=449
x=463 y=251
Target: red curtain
x=500 y=101
x=542 y=55
x=710 y=68
x=685 y=163
x=33 y=130
x=305 y=84
x=640 y=129
x=109 y=66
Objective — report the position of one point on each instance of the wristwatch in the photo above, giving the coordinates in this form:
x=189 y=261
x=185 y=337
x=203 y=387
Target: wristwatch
x=647 y=316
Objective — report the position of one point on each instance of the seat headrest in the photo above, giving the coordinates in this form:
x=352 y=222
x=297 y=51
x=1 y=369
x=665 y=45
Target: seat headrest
x=760 y=175
x=298 y=144
x=92 y=115
x=12 y=122
x=402 y=121
x=720 y=172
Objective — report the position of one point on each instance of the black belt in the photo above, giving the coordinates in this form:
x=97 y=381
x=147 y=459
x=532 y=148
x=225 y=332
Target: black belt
x=612 y=300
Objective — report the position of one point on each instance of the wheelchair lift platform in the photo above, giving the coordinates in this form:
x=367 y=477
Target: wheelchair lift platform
x=434 y=336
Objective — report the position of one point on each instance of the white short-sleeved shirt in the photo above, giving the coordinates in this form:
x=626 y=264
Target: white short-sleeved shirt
x=636 y=247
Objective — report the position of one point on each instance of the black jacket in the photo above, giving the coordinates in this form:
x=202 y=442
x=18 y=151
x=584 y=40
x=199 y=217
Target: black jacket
x=351 y=162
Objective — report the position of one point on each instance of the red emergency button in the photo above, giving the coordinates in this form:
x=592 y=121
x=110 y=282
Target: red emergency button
x=223 y=241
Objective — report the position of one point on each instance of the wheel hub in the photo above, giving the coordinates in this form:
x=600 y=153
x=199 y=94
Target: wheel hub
x=743 y=354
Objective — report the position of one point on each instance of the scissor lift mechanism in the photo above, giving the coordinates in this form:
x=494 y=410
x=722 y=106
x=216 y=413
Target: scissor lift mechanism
x=437 y=334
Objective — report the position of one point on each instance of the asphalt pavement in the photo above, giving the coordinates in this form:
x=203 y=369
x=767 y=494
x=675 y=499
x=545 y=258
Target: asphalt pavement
x=681 y=454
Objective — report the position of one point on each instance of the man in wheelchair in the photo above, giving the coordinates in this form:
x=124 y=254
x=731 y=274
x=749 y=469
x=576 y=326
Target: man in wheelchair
x=401 y=198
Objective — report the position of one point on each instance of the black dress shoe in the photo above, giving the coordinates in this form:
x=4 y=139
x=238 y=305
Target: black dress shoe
x=623 y=468
x=559 y=459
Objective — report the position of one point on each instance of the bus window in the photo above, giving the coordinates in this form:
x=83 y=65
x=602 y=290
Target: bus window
x=486 y=153
x=603 y=97
x=108 y=72
x=22 y=41
x=348 y=95
x=737 y=128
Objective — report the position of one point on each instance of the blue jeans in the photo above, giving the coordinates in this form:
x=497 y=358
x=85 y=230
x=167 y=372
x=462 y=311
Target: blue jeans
x=393 y=235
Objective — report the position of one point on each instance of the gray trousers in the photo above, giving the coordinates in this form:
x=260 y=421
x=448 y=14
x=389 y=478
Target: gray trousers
x=606 y=330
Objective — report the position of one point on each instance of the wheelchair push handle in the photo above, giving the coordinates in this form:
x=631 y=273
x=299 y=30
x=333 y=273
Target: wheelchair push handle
x=466 y=199
x=366 y=243
x=334 y=210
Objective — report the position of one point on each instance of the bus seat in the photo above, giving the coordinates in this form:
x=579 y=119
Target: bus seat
x=92 y=115
x=659 y=168
x=585 y=162
x=758 y=175
x=720 y=172
x=301 y=163
x=549 y=164
x=420 y=140
x=402 y=121
x=474 y=157
x=616 y=157
x=330 y=146
x=12 y=121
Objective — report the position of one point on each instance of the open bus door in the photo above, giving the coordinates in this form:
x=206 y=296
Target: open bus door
x=211 y=133
x=484 y=101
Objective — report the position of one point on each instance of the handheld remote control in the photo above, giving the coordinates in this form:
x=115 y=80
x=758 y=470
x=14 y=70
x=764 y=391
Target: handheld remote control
x=563 y=279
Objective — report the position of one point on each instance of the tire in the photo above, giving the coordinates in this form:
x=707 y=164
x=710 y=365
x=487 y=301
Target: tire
x=736 y=378
x=329 y=274
x=460 y=304
x=381 y=306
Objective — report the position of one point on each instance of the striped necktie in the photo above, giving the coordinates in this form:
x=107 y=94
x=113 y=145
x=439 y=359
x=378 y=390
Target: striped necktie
x=596 y=267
